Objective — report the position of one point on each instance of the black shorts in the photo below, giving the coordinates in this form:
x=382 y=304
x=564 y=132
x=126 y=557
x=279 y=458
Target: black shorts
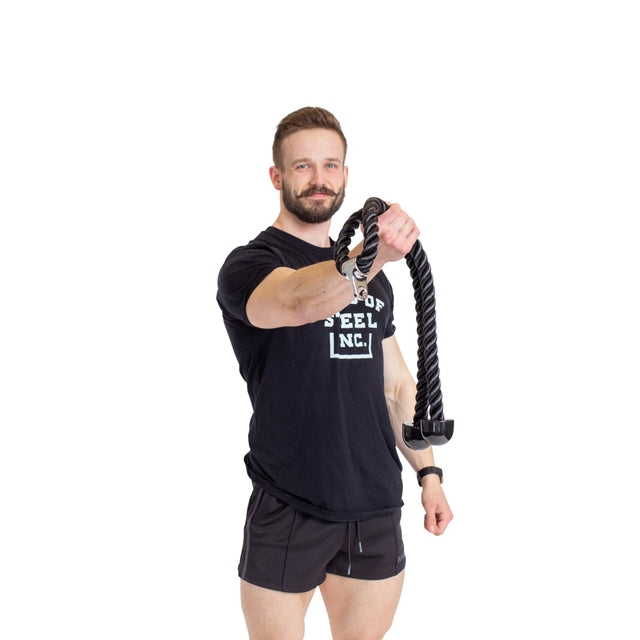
x=289 y=550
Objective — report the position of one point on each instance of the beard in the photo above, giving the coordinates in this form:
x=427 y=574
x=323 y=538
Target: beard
x=312 y=212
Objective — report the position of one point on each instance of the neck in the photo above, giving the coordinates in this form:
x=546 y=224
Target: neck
x=316 y=234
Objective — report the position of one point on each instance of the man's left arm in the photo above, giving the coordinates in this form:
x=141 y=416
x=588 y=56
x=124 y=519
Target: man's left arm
x=400 y=394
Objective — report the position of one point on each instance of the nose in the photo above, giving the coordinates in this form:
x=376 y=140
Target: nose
x=318 y=178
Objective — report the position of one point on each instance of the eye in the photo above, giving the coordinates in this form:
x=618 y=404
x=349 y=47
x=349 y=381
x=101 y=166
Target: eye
x=302 y=166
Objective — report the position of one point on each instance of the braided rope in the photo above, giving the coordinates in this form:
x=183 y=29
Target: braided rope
x=429 y=393
x=368 y=218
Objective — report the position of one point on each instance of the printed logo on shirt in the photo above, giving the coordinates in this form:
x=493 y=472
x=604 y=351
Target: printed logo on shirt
x=352 y=337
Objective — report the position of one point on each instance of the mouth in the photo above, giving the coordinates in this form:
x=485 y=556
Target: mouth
x=317 y=194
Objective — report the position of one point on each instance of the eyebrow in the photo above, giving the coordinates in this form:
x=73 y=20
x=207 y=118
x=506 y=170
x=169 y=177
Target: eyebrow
x=299 y=160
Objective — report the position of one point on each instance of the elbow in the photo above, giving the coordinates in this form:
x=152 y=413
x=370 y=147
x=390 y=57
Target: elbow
x=285 y=312
x=400 y=398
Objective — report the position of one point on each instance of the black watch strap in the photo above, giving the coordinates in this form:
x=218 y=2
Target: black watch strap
x=427 y=471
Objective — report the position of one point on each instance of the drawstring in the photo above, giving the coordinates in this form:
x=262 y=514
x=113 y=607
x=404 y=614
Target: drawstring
x=349 y=547
x=349 y=543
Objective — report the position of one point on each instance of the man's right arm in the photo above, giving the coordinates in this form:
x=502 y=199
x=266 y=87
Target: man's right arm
x=293 y=297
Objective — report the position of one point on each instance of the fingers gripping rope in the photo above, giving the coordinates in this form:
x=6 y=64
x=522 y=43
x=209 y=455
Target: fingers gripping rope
x=429 y=426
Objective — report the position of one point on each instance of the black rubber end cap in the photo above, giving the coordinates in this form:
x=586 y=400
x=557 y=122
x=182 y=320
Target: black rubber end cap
x=436 y=432
x=412 y=437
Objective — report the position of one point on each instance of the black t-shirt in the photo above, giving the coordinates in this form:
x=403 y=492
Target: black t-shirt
x=320 y=436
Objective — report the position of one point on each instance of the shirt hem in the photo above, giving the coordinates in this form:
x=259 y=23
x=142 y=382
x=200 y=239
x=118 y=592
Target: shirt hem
x=326 y=514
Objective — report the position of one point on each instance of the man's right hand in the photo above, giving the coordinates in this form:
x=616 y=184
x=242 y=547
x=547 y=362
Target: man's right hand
x=398 y=233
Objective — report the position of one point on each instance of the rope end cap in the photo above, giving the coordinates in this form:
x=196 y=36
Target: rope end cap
x=437 y=432
x=412 y=437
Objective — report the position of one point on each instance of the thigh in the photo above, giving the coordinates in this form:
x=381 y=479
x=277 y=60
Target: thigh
x=361 y=609
x=273 y=615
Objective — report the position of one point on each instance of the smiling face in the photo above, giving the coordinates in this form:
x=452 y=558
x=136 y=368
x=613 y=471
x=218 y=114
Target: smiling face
x=312 y=178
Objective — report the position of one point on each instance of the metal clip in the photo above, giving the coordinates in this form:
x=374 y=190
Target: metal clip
x=358 y=279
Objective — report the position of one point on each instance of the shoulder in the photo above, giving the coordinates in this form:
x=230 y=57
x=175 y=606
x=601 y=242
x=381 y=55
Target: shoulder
x=261 y=244
x=244 y=268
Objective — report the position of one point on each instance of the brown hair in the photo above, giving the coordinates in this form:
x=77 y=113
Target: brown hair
x=305 y=118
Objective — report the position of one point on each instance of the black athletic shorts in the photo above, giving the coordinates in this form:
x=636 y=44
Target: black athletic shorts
x=289 y=550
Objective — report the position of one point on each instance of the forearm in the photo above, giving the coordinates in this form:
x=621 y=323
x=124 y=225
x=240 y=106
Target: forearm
x=400 y=394
x=294 y=297
x=316 y=292
x=401 y=409
x=320 y=290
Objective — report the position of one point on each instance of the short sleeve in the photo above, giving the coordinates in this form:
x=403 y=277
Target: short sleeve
x=390 y=328
x=244 y=269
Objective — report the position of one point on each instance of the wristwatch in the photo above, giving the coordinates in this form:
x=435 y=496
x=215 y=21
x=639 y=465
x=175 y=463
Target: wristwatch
x=428 y=471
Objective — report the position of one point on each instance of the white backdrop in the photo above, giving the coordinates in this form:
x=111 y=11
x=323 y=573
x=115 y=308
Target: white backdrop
x=135 y=146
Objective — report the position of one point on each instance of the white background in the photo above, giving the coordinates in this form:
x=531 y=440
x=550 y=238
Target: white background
x=135 y=146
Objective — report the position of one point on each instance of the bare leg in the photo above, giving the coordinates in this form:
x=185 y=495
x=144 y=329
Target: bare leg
x=273 y=615
x=361 y=609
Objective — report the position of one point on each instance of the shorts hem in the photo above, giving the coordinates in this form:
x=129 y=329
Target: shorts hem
x=285 y=588
x=397 y=571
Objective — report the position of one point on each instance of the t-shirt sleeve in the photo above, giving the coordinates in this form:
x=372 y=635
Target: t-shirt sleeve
x=390 y=328
x=241 y=273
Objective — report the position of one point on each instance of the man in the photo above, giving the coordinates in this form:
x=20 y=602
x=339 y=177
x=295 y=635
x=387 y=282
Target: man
x=330 y=391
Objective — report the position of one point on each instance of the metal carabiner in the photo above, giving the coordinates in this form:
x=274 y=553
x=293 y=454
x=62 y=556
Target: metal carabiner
x=358 y=279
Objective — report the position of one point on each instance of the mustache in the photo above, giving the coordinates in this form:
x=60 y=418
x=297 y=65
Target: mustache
x=313 y=190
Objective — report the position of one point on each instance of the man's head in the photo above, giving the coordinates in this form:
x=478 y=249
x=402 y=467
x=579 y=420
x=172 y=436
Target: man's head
x=309 y=151
x=305 y=118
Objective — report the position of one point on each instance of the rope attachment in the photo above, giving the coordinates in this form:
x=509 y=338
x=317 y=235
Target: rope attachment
x=429 y=426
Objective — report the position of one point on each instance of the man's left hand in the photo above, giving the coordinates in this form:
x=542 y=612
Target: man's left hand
x=437 y=512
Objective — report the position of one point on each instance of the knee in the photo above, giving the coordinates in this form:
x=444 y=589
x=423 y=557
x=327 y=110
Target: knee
x=281 y=630
x=277 y=632
x=372 y=633
x=287 y=634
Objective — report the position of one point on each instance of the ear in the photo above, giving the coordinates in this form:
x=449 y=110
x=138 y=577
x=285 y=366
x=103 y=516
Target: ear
x=276 y=179
x=346 y=176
